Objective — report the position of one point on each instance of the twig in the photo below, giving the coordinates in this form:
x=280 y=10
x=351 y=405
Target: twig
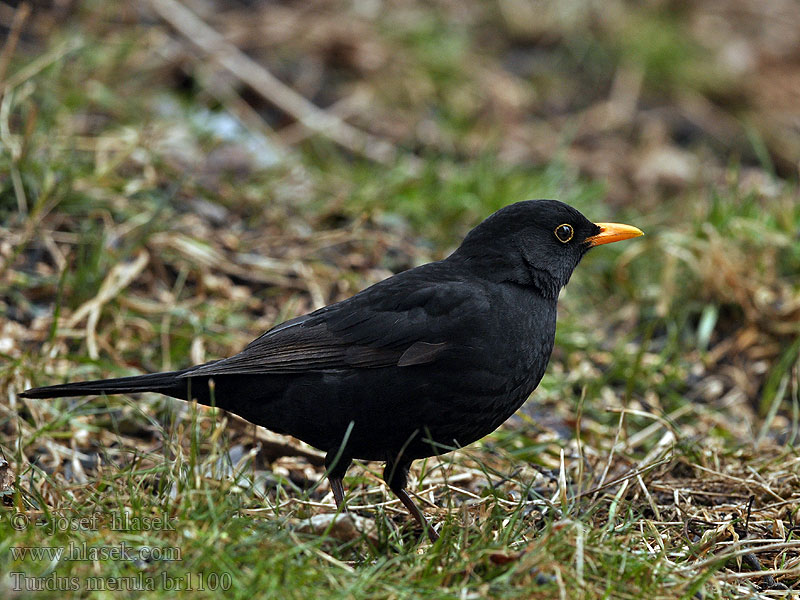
x=622 y=478
x=753 y=574
x=270 y=87
x=739 y=550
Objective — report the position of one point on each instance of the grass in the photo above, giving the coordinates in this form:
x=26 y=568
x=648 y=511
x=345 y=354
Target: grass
x=657 y=458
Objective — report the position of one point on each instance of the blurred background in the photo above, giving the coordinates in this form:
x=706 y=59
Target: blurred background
x=179 y=176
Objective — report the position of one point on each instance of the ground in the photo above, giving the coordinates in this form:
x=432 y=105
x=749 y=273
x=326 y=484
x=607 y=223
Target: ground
x=173 y=183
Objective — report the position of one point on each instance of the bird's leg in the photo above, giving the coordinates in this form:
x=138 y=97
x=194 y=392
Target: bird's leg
x=337 y=487
x=414 y=510
x=336 y=470
x=396 y=476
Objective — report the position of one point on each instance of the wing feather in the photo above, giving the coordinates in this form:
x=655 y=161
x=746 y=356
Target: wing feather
x=402 y=321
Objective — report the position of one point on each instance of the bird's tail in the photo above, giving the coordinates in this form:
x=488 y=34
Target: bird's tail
x=168 y=383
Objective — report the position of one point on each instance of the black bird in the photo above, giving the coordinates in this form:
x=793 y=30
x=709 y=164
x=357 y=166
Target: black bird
x=424 y=362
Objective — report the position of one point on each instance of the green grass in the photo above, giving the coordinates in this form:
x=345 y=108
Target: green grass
x=676 y=355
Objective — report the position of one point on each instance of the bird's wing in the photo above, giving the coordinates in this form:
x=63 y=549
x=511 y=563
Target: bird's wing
x=402 y=321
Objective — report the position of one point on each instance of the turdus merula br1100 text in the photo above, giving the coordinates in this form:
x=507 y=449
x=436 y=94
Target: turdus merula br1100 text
x=419 y=364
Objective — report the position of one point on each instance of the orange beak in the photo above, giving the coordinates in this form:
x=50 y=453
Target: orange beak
x=613 y=232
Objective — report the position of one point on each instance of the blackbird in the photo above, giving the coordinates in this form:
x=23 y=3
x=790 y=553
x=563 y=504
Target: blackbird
x=419 y=364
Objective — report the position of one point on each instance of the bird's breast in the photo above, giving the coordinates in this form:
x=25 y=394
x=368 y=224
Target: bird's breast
x=484 y=384
x=524 y=326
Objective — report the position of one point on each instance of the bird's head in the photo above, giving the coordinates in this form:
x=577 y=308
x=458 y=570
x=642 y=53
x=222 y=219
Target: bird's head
x=536 y=243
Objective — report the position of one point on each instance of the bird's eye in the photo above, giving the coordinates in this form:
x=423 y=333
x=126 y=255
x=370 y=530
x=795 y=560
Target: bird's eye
x=564 y=233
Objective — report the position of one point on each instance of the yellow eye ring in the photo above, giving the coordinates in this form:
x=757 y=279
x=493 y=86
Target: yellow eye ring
x=564 y=232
